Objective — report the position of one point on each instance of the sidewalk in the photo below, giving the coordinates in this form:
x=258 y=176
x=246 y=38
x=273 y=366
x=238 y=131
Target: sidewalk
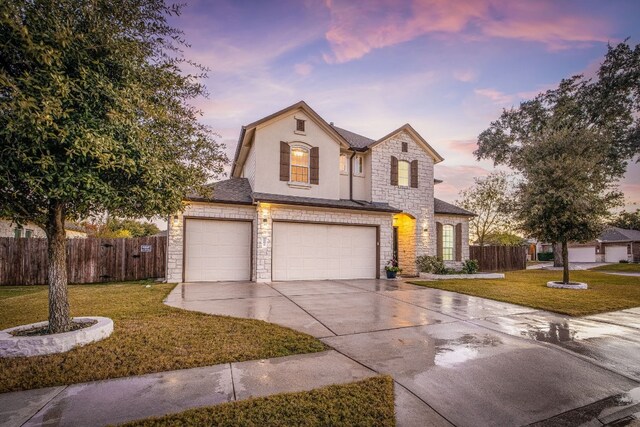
x=120 y=400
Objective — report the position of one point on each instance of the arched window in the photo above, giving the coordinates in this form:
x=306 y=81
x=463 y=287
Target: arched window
x=299 y=164
x=447 y=243
x=403 y=173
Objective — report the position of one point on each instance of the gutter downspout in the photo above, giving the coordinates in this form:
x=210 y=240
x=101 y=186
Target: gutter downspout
x=351 y=175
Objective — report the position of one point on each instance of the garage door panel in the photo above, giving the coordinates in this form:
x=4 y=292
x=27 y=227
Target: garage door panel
x=615 y=253
x=217 y=250
x=582 y=254
x=304 y=251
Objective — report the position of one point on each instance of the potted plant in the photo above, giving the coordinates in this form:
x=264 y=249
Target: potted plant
x=392 y=268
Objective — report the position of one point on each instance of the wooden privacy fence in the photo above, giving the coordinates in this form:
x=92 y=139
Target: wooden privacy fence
x=499 y=258
x=24 y=261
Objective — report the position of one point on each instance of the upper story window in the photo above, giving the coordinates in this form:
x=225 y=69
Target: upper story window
x=28 y=233
x=405 y=147
x=17 y=232
x=358 y=166
x=403 y=173
x=447 y=242
x=344 y=164
x=299 y=165
x=300 y=125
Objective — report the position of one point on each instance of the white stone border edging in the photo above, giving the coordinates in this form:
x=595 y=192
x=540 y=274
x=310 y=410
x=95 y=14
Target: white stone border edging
x=571 y=285
x=38 y=345
x=432 y=276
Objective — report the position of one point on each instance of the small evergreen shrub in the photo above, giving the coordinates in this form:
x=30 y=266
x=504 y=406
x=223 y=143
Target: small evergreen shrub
x=470 y=266
x=430 y=264
x=624 y=261
x=545 y=256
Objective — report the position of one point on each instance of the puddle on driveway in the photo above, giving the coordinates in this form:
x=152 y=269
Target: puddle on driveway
x=449 y=353
x=615 y=347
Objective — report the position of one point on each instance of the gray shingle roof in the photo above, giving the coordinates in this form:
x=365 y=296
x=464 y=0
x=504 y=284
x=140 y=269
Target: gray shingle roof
x=355 y=141
x=442 y=207
x=329 y=203
x=616 y=234
x=238 y=190
x=232 y=190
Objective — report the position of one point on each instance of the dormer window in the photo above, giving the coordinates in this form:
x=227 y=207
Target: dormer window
x=300 y=125
x=300 y=165
x=358 y=166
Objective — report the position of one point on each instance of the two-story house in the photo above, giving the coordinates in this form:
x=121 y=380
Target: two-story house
x=309 y=200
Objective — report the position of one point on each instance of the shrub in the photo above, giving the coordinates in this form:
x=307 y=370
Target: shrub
x=624 y=261
x=430 y=264
x=470 y=266
x=545 y=256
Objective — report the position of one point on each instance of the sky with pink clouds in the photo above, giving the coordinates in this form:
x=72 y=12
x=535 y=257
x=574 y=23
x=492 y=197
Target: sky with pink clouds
x=446 y=67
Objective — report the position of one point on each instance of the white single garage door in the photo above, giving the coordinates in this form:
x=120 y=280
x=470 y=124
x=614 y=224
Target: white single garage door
x=217 y=250
x=582 y=254
x=615 y=253
x=318 y=251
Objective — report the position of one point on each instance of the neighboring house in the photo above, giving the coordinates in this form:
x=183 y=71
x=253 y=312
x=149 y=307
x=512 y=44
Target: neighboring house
x=613 y=245
x=30 y=230
x=309 y=200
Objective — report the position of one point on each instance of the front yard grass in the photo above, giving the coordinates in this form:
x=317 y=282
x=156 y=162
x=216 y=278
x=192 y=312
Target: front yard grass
x=621 y=267
x=148 y=336
x=363 y=403
x=529 y=288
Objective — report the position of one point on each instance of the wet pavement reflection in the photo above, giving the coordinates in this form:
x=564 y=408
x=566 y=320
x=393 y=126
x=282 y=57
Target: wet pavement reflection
x=474 y=360
x=612 y=346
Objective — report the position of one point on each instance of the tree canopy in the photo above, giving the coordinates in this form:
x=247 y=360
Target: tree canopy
x=627 y=220
x=491 y=199
x=96 y=115
x=115 y=228
x=570 y=145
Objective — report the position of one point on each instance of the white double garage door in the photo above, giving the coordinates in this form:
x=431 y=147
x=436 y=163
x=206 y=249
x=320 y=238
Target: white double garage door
x=588 y=253
x=221 y=250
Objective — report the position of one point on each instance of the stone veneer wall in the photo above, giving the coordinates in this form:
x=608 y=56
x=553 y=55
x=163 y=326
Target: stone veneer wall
x=418 y=202
x=204 y=210
x=270 y=212
x=453 y=220
x=261 y=269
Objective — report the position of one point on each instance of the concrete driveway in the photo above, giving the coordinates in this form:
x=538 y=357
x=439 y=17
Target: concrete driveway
x=456 y=359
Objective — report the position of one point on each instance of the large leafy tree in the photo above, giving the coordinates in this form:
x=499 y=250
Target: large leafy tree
x=628 y=220
x=491 y=199
x=95 y=116
x=571 y=144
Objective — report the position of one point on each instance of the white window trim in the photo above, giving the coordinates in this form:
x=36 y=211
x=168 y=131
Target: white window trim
x=453 y=242
x=307 y=148
x=408 y=174
x=355 y=161
x=346 y=164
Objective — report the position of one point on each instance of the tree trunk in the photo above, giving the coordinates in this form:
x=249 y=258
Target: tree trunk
x=565 y=262
x=59 y=320
x=557 y=255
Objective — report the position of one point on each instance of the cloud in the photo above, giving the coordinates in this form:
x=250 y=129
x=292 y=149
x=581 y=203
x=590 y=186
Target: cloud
x=465 y=76
x=465 y=146
x=455 y=179
x=357 y=28
x=495 y=96
x=303 y=69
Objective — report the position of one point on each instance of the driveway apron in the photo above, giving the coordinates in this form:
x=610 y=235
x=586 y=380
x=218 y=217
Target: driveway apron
x=456 y=359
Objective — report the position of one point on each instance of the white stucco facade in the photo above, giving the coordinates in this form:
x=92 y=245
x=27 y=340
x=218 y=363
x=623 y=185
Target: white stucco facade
x=346 y=197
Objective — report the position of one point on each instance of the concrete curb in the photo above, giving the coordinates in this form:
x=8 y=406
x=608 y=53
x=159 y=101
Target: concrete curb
x=13 y=346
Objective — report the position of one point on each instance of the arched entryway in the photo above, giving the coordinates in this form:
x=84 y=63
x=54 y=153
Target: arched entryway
x=404 y=242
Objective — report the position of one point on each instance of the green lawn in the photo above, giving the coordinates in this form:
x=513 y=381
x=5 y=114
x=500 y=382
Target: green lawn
x=363 y=403
x=148 y=337
x=621 y=267
x=529 y=288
